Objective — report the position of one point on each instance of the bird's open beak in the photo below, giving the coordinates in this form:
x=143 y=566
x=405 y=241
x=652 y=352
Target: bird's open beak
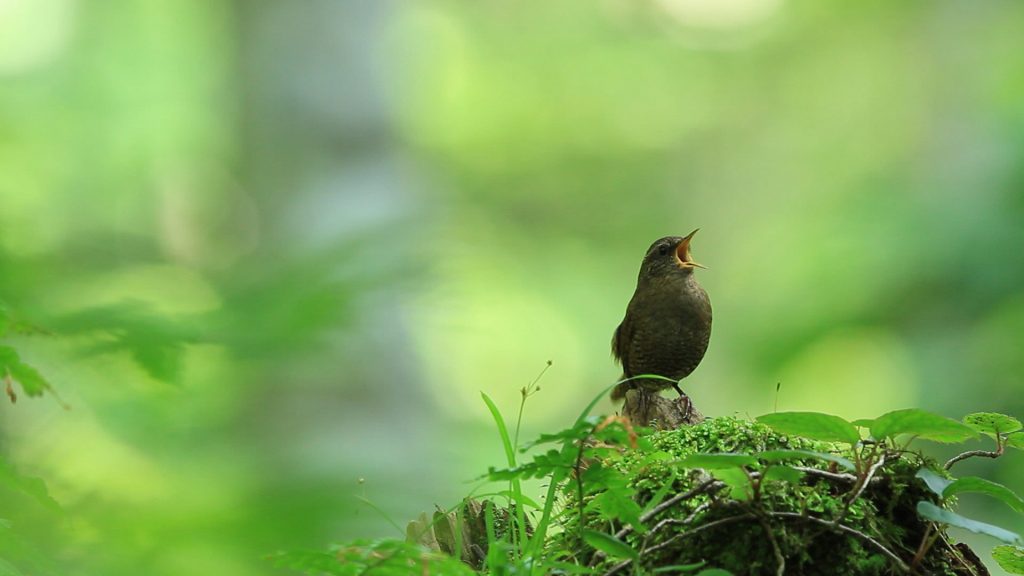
x=683 y=253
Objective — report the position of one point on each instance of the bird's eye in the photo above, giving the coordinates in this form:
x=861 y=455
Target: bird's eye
x=663 y=249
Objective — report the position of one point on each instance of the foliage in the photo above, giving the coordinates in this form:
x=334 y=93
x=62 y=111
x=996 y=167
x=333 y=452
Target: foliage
x=1010 y=558
x=385 y=557
x=727 y=496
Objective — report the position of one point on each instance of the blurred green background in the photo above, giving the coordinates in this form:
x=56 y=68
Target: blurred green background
x=275 y=250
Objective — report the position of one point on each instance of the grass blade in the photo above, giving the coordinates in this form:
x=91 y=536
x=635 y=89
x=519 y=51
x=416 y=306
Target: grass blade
x=510 y=454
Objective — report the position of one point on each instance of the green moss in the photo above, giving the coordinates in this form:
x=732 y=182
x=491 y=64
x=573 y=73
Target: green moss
x=742 y=539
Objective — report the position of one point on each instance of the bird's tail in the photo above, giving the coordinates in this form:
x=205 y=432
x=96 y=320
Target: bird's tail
x=619 y=392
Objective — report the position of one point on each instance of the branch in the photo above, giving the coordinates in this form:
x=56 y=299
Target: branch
x=648 y=408
x=860 y=488
x=781 y=571
x=1000 y=447
x=852 y=531
x=701 y=528
x=710 y=485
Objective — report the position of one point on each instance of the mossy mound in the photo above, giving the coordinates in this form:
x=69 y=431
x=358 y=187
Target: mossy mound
x=801 y=516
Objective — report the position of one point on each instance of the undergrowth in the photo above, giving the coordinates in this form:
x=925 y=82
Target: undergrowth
x=787 y=493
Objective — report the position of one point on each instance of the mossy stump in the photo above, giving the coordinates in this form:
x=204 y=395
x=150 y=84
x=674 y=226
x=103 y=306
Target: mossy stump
x=751 y=522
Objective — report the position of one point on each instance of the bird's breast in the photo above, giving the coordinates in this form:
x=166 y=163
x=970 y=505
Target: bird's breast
x=670 y=330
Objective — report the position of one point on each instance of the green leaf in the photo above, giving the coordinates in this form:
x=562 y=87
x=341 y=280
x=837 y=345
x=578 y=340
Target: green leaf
x=659 y=496
x=983 y=486
x=784 y=474
x=28 y=485
x=718 y=461
x=737 y=481
x=781 y=455
x=32 y=383
x=813 y=425
x=992 y=423
x=580 y=431
x=1015 y=441
x=933 y=480
x=155 y=343
x=930 y=511
x=499 y=421
x=518 y=498
x=1009 y=558
x=714 y=572
x=679 y=568
x=617 y=505
x=510 y=455
x=609 y=544
x=863 y=422
x=921 y=424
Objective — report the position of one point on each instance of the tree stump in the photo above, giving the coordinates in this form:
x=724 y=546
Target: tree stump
x=649 y=408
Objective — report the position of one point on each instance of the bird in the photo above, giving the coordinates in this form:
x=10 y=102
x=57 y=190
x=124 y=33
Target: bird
x=667 y=326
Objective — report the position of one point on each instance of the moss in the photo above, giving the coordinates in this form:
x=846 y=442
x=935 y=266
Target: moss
x=744 y=535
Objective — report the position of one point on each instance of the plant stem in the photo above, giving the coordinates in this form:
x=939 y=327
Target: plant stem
x=1000 y=447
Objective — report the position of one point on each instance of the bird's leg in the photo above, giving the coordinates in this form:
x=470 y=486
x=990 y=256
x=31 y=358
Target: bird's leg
x=678 y=389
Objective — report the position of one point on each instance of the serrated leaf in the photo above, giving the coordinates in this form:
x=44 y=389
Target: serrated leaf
x=718 y=461
x=921 y=424
x=1009 y=558
x=935 y=483
x=930 y=511
x=782 y=455
x=813 y=425
x=977 y=485
x=32 y=383
x=784 y=474
x=992 y=423
x=619 y=505
x=580 y=431
x=615 y=499
x=609 y=544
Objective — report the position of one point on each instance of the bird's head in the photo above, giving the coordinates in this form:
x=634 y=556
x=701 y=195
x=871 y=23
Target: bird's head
x=669 y=256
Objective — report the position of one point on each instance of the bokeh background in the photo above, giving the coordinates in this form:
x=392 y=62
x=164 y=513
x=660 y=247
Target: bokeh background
x=273 y=251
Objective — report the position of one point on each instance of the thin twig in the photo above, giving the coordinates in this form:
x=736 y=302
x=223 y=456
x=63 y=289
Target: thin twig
x=701 y=528
x=926 y=544
x=835 y=476
x=958 y=554
x=696 y=511
x=779 y=558
x=1000 y=447
x=709 y=485
x=852 y=531
x=860 y=488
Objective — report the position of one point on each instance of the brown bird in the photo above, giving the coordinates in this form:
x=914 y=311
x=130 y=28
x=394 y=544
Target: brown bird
x=668 y=321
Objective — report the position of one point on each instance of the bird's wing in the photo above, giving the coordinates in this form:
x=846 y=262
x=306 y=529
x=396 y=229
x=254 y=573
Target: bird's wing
x=619 y=347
